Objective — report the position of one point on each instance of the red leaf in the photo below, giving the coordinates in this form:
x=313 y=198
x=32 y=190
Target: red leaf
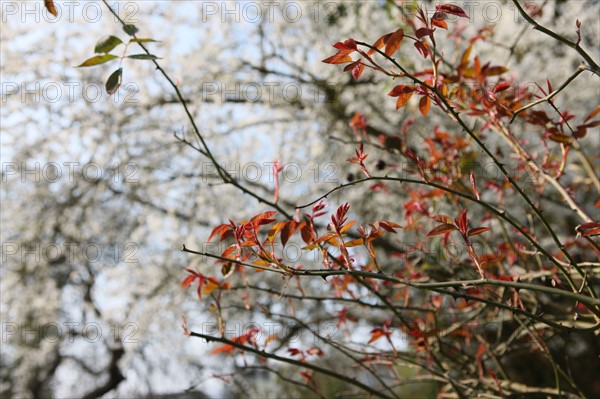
x=294 y=351
x=441 y=229
x=501 y=87
x=591 y=124
x=422 y=48
x=424 y=32
x=588 y=229
x=188 y=281
x=592 y=232
x=394 y=41
x=452 y=9
x=227 y=349
x=263 y=218
x=377 y=333
x=593 y=113
x=221 y=230
x=443 y=219
x=338 y=58
x=560 y=138
x=580 y=132
x=315 y=351
x=424 y=105
x=357 y=70
x=495 y=70
x=275 y=229
x=50 y=7
x=388 y=226
x=403 y=93
x=307 y=233
x=439 y=23
x=379 y=43
x=462 y=222
x=348 y=45
x=472 y=179
x=439 y=16
x=477 y=230
x=287 y=231
x=343 y=55
x=597 y=205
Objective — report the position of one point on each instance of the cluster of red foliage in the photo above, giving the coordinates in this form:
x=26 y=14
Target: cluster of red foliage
x=482 y=92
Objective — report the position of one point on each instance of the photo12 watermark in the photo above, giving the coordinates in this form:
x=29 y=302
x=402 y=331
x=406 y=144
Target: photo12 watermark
x=53 y=252
x=70 y=331
x=70 y=172
x=61 y=92
x=68 y=11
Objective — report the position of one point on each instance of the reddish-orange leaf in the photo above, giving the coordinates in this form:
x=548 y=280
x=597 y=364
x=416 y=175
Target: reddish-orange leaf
x=477 y=230
x=356 y=69
x=501 y=87
x=376 y=334
x=394 y=41
x=211 y=285
x=388 y=226
x=473 y=185
x=307 y=233
x=338 y=58
x=287 y=231
x=439 y=22
x=379 y=43
x=188 y=281
x=263 y=218
x=423 y=48
x=593 y=113
x=271 y=338
x=443 y=219
x=441 y=229
x=404 y=93
x=580 y=132
x=462 y=221
x=597 y=204
x=464 y=61
x=592 y=124
x=452 y=9
x=347 y=45
x=423 y=32
x=400 y=89
x=226 y=349
x=560 y=138
x=50 y=7
x=403 y=100
x=221 y=230
x=592 y=232
x=355 y=242
x=424 y=105
x=315 y=351
x=275 y=229
x=588 y=229
x=496 y=70
x=228 y=251
x=294 y=351
x=347 y=226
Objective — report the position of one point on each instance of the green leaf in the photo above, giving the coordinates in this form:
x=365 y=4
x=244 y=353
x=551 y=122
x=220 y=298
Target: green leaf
x=143 y=40
x=97 y=60
x=143 y=57
x=114 y=81
x=107 y=43
x=130 y=29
